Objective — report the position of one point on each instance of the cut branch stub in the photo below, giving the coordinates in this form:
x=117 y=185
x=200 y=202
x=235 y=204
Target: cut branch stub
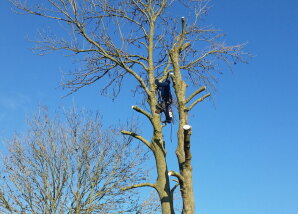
x=187 y=134
x=186 y=127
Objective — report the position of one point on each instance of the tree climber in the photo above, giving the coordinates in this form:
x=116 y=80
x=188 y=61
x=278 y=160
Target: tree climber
x=164 y=98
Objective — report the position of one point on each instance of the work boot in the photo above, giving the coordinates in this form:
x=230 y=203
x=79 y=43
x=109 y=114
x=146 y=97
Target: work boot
x=166 y=121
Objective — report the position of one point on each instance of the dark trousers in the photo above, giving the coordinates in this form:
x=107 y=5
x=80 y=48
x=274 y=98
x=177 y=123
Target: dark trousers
x=167 y=109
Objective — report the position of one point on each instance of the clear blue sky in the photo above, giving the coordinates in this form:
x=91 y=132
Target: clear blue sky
x=244 y=144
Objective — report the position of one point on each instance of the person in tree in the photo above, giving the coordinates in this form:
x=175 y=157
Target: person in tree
x=164 y=98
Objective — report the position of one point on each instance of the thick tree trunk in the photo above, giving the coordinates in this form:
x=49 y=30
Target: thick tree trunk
x=184 y=160
x=186 y=172
x=163 y=183
x=159 y=151
x=183 y=147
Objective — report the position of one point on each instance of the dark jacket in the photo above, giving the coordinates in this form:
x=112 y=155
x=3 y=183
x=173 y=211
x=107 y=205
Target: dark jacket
x=165 y=90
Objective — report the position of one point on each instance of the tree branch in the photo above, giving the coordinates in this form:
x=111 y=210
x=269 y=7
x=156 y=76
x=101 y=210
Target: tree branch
x=134 y=74
x=174 y=188
x=142 y=9
x=162 y=7
x=23 y=7
x=6 y=204
x=195 y=93
x=124 y=16
x=142 y=111
x=219 y=50
x=139 y=137
x=139 y=185
x=166 y=70
x=197 y=101
x=177 y=175
x=186 y=45
x=110 y=57
x=128 y=59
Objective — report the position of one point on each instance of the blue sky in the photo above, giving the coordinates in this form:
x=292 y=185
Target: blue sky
x=244 y=143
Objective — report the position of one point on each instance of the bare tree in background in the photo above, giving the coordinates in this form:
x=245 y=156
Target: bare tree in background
x=144 y=40
x=71 y=166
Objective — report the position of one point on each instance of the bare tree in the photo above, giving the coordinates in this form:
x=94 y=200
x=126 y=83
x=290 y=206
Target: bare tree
x=143 y=39
x=71 y=166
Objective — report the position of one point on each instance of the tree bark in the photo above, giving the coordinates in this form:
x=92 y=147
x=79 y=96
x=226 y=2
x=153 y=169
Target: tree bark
x=187 y=190
x=163 y=183
x=159 y=151
x=183 y=147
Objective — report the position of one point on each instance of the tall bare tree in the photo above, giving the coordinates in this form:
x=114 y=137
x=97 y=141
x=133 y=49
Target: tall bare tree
x=71 y=166
x=143 y=39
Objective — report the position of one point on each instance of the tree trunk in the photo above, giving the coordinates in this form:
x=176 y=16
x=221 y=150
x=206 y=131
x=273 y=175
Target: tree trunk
x=163 y=183
x=159 y=151
x=184 y=160
x=186 y=172
x=184 y=132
